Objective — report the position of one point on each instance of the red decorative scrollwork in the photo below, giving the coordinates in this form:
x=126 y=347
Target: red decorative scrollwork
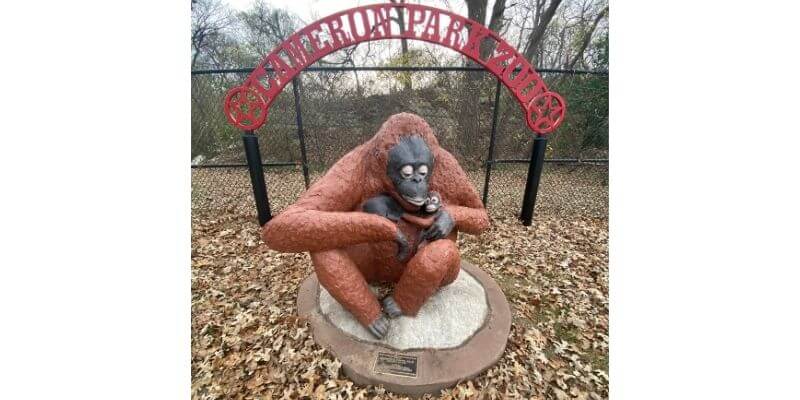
x=245 y=108
x=247 y=105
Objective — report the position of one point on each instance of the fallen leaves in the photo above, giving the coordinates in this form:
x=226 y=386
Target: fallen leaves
x=247 y=341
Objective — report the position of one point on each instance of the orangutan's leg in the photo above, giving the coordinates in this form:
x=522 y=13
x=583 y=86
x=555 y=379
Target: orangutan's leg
x=340 y=276
x=424 y=274
x=451 y=274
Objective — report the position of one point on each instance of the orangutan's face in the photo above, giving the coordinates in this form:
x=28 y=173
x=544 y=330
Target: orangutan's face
x=410 y=167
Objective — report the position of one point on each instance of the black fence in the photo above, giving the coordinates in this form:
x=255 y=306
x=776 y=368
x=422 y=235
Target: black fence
x=538 y=149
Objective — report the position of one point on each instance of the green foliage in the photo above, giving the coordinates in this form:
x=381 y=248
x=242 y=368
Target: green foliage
x=600 y=59
x=587 y=110
x=412 y=58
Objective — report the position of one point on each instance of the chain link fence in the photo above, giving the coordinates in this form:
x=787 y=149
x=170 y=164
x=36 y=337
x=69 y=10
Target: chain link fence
x=343 y=107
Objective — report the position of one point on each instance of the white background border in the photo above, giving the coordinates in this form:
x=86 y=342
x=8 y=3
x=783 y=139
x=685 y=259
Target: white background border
x=95 y=286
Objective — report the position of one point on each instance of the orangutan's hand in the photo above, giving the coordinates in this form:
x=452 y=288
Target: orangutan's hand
x=440 y=228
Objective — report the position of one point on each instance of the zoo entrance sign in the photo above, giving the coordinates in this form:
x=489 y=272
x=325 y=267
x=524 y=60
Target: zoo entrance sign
x=247 y=106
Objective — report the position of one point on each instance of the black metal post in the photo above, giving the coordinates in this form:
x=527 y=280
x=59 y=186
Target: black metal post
x=490 y=158
x=253 y=155
x=298 y=114
x=532 y=185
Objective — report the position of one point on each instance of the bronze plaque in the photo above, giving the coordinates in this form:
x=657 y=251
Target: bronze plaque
x=396 y=364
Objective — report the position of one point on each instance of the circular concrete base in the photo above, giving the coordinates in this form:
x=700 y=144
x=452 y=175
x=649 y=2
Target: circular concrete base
x=457 y=311
x=395 y=362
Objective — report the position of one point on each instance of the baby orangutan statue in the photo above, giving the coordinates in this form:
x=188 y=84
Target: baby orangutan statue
x=388 y=211
x=384 y=205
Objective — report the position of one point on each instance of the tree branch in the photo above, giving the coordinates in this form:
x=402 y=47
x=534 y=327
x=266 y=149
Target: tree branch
x=587 y=38
x=538 y=32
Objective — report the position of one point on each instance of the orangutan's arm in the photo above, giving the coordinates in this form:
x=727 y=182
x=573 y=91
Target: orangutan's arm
x=322 y=219
x=299 y=230
x=462 y=202
x=470 y=220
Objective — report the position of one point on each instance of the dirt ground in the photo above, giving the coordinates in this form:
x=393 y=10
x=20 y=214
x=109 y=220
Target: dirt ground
x=248 y=343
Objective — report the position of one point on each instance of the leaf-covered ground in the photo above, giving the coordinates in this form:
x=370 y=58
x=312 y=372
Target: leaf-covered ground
x=247 y=341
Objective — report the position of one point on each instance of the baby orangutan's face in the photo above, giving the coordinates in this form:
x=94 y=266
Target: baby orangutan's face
x=433 y=203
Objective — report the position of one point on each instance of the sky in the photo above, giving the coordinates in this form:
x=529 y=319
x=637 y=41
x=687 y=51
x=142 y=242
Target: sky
x=305 y=9
x=311 y=10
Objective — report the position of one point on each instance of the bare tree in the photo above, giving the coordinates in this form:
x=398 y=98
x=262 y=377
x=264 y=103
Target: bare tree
x=587 y=38
x=543 y=20
x=403 y=43
x=267 y=26
x=209 y=19
x=496 y=22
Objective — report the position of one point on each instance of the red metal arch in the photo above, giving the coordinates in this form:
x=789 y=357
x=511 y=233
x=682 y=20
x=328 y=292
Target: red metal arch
x=247 y=106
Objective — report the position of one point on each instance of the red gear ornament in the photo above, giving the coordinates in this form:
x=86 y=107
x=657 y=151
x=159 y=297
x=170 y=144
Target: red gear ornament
x=245 y=108
x=545 y=112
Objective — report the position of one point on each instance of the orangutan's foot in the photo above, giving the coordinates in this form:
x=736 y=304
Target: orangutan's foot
x=391 y=308
x=380 y=327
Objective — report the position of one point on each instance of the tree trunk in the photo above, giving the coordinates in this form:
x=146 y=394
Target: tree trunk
x=407 y=86
x=476 y=11
x=468 y=101
x=587 y=38
x=495 y=25
x=538 y=31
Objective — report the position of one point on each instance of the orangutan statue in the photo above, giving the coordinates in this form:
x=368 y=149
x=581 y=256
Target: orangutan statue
x=361 y=222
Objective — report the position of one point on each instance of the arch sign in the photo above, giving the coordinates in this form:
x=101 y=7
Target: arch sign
x=247 y=106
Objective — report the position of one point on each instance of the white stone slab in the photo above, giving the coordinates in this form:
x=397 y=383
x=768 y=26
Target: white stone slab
x=450 y=317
